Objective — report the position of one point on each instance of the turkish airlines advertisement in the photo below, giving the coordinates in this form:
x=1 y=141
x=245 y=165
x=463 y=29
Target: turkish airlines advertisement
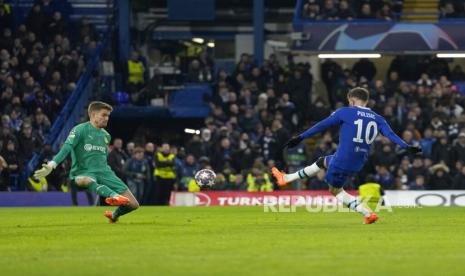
x=314 y=198
x=232 y=198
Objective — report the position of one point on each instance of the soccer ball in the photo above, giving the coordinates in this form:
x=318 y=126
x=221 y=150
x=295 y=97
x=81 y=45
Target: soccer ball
x=205 y=178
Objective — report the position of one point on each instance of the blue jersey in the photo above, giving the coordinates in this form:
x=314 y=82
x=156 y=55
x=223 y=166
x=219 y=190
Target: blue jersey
x=358 y=128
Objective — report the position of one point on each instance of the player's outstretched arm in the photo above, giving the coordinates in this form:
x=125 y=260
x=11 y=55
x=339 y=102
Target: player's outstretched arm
x=47 y=168
x=59 y=157
x=321 y=126
x=387 y=132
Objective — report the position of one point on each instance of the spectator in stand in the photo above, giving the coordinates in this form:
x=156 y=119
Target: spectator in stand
x=165 y=174
x=36 y=20
x=458 y=149
x=364 y=68
x=458 y=183
x=117 y=158
x=416 y=169
x=258 y=181
x=136 y=70
x=14 y=164
x=186 y=172
x=385 y=13
x=365 y=12
x=7 y=135
x=301 y=86
x=442 y=149
x=419 y=183
x=311 y=10
x=198 y=72
x=440 y=179
x=345 y=11
x=41 y=123
x=29 y=142
x=136 y=171
x=56 y=26
x=425 y=80
x=329 y=10
x=3 y=171
x=427 y=142
x=238 y=184
x=384 y=177
x=448 y=11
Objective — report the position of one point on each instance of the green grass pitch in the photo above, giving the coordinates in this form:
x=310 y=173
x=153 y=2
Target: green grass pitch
x=230 y=241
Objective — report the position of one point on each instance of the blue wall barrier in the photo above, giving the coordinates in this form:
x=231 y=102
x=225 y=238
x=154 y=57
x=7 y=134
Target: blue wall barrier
x=29 y=199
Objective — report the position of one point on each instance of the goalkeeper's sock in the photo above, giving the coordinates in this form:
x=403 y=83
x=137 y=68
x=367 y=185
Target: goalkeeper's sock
x=352 y=203
x=121 y=210
x=308 y=171
x=102 y=190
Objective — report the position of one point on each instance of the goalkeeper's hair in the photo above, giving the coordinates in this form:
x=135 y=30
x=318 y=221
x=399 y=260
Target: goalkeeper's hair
x=97 y=106
x=359 y=93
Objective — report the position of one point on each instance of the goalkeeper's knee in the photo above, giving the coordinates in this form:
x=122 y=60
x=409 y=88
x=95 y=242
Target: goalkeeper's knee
x=83 y=181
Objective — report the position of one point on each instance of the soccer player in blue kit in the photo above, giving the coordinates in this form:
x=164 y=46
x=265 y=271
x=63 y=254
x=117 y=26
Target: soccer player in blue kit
x=358 y=128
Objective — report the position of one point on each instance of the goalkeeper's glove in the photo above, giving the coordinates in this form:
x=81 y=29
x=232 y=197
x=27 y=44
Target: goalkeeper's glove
x=46 y=170
x=413 y=149
x=294 y=141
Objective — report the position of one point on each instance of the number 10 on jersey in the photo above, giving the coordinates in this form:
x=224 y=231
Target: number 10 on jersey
x=371 y=132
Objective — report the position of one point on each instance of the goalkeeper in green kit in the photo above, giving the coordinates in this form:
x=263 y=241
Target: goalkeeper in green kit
x=88 y=145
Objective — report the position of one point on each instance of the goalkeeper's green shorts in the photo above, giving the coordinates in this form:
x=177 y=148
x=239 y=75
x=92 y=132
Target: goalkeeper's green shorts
x=107 y=178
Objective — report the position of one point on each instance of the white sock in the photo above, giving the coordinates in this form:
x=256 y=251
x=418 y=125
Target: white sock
x=308 y=171
x=352 y=203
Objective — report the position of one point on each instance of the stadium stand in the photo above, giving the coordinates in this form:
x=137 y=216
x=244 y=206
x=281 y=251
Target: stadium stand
x=254 y=109
x=40 y=66
x=408 y=10
x=350 y=10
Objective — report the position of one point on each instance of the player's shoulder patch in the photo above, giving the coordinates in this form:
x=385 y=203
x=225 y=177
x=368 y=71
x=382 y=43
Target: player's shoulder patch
x=77 y=129
x=72 y=133
x=339 y=110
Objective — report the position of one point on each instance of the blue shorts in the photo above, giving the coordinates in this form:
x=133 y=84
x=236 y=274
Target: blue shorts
x=336 y=177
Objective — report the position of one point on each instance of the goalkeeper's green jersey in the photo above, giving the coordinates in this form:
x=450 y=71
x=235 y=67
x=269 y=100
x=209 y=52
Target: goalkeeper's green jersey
x=89 y=148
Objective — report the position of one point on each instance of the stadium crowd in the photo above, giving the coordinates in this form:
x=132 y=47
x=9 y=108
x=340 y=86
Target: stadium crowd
x=39 y=66
x=256 y=109
x=374 y=9
x=350 y=9
x=452 y=9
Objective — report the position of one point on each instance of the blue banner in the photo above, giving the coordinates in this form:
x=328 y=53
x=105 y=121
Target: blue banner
x=381 y=36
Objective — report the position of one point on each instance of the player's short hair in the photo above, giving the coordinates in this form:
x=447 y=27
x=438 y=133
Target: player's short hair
x=97 y=106
x=359 y=93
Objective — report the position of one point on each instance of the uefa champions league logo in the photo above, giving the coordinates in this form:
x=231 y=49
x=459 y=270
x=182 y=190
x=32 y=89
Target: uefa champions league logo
x=342 y=38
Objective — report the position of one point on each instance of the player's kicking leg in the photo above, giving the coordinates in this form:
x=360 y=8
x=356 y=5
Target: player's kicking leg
x=335 y=181
x=111 y=197
x=354 y=204
x=306 y=172
x=124 y=209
